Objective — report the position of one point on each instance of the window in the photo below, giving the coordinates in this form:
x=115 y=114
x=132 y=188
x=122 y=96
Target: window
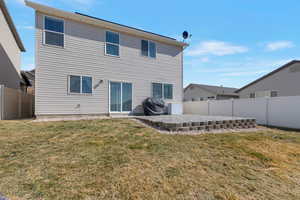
x=80 y=84
x=53 y=31
x=162 y=91
x=148 y=48
x=112 y=46
x=168 y=91
x=274 y=94
x=157 y=90
x=252 y=95
x=120 y=97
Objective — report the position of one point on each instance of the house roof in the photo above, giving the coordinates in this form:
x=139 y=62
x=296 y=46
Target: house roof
x=269 y=74
x=218 y=90
x=11 y=26
x=104 y=24
x=28 y=76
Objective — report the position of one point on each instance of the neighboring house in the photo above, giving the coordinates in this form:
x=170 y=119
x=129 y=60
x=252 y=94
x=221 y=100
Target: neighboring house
x=200 y=92
x=90 y=66
x=29 y=76
x=10 y=51
x=284 y=81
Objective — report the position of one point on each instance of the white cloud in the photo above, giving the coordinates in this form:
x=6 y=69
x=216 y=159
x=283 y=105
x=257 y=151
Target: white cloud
x=217 y=48
x=204 y=59
x=28 y=66
x=21 y=1
x=273 y=46
x=247 y=68
x=26 y=27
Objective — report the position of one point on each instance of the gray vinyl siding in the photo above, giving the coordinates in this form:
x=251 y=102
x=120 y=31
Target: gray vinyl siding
x=195 y=93
x=83 y=54
x=286 y=82
x=10 y=56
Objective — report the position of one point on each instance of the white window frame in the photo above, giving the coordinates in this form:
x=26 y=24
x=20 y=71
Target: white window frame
x=81 y=93
x=163 y=88
x=124 y=112
x=44 y=32
x=251 y=95
x=273 y=91
x=148 y=56
x=112 y=44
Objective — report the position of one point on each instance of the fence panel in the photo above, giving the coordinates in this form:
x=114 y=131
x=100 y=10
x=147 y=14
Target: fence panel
x=221 y=108
x=15 y=104
x=284 y=112
x=196 y=107
x=276 y=111
x=253 y=108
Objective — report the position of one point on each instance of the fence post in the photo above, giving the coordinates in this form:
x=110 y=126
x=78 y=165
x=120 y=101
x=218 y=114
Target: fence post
x=208 y=108
x=267 y=111
x=1 y=102
x=232 y=107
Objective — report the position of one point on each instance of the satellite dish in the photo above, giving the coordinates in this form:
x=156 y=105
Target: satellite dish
x=185 y=35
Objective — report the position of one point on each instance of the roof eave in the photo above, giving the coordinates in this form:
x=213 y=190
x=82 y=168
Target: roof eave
x=104 y=24
x=12 y=26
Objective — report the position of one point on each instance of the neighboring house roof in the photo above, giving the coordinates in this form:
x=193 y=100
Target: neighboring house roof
x=11 y=25
x=269 y=74
x=29 y=77
x=104 y=24
x=218 y=90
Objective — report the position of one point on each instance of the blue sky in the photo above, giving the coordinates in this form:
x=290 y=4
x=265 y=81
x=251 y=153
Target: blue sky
x=233 y=41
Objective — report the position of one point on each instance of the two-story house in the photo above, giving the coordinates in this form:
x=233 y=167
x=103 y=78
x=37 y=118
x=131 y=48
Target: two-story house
x=90 y=66
x=11 y=48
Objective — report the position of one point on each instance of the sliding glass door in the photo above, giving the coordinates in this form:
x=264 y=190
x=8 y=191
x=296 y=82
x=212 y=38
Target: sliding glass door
x=120 y=97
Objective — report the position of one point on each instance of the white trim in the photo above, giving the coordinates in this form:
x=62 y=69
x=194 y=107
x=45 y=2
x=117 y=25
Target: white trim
x=81 y=93
x=163 y=95
x=112 y=44
x=103 y=24
x=109 y=97
x=44 y=32
x=148 y=56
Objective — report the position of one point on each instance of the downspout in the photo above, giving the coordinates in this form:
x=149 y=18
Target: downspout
x=1 y=102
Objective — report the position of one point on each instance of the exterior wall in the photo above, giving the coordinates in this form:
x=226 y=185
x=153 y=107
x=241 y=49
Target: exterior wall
x=9 y=76
x=83 y=54
x=196 y=93
x=285 y=82
x=9 y=44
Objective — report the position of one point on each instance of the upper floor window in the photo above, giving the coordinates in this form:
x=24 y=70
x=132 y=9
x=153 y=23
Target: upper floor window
x=80 y=84
x=252 y=95
x=53 y=31
x=112 y=45
x=162 y=91
x=148 y=48
x=274 y=93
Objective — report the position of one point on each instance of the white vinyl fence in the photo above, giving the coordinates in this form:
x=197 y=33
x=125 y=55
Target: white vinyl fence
x=15 y=104
x=276 y=111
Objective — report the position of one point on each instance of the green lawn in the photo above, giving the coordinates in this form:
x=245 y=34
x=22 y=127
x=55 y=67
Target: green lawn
x=121 y=159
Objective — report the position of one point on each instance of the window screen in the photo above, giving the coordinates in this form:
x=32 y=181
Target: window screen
x=112 y=43
x=75 y=84
x=54 y=32
x=168 y=91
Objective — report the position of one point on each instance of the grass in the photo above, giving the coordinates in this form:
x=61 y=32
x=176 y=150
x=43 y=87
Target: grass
x=121 y=159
